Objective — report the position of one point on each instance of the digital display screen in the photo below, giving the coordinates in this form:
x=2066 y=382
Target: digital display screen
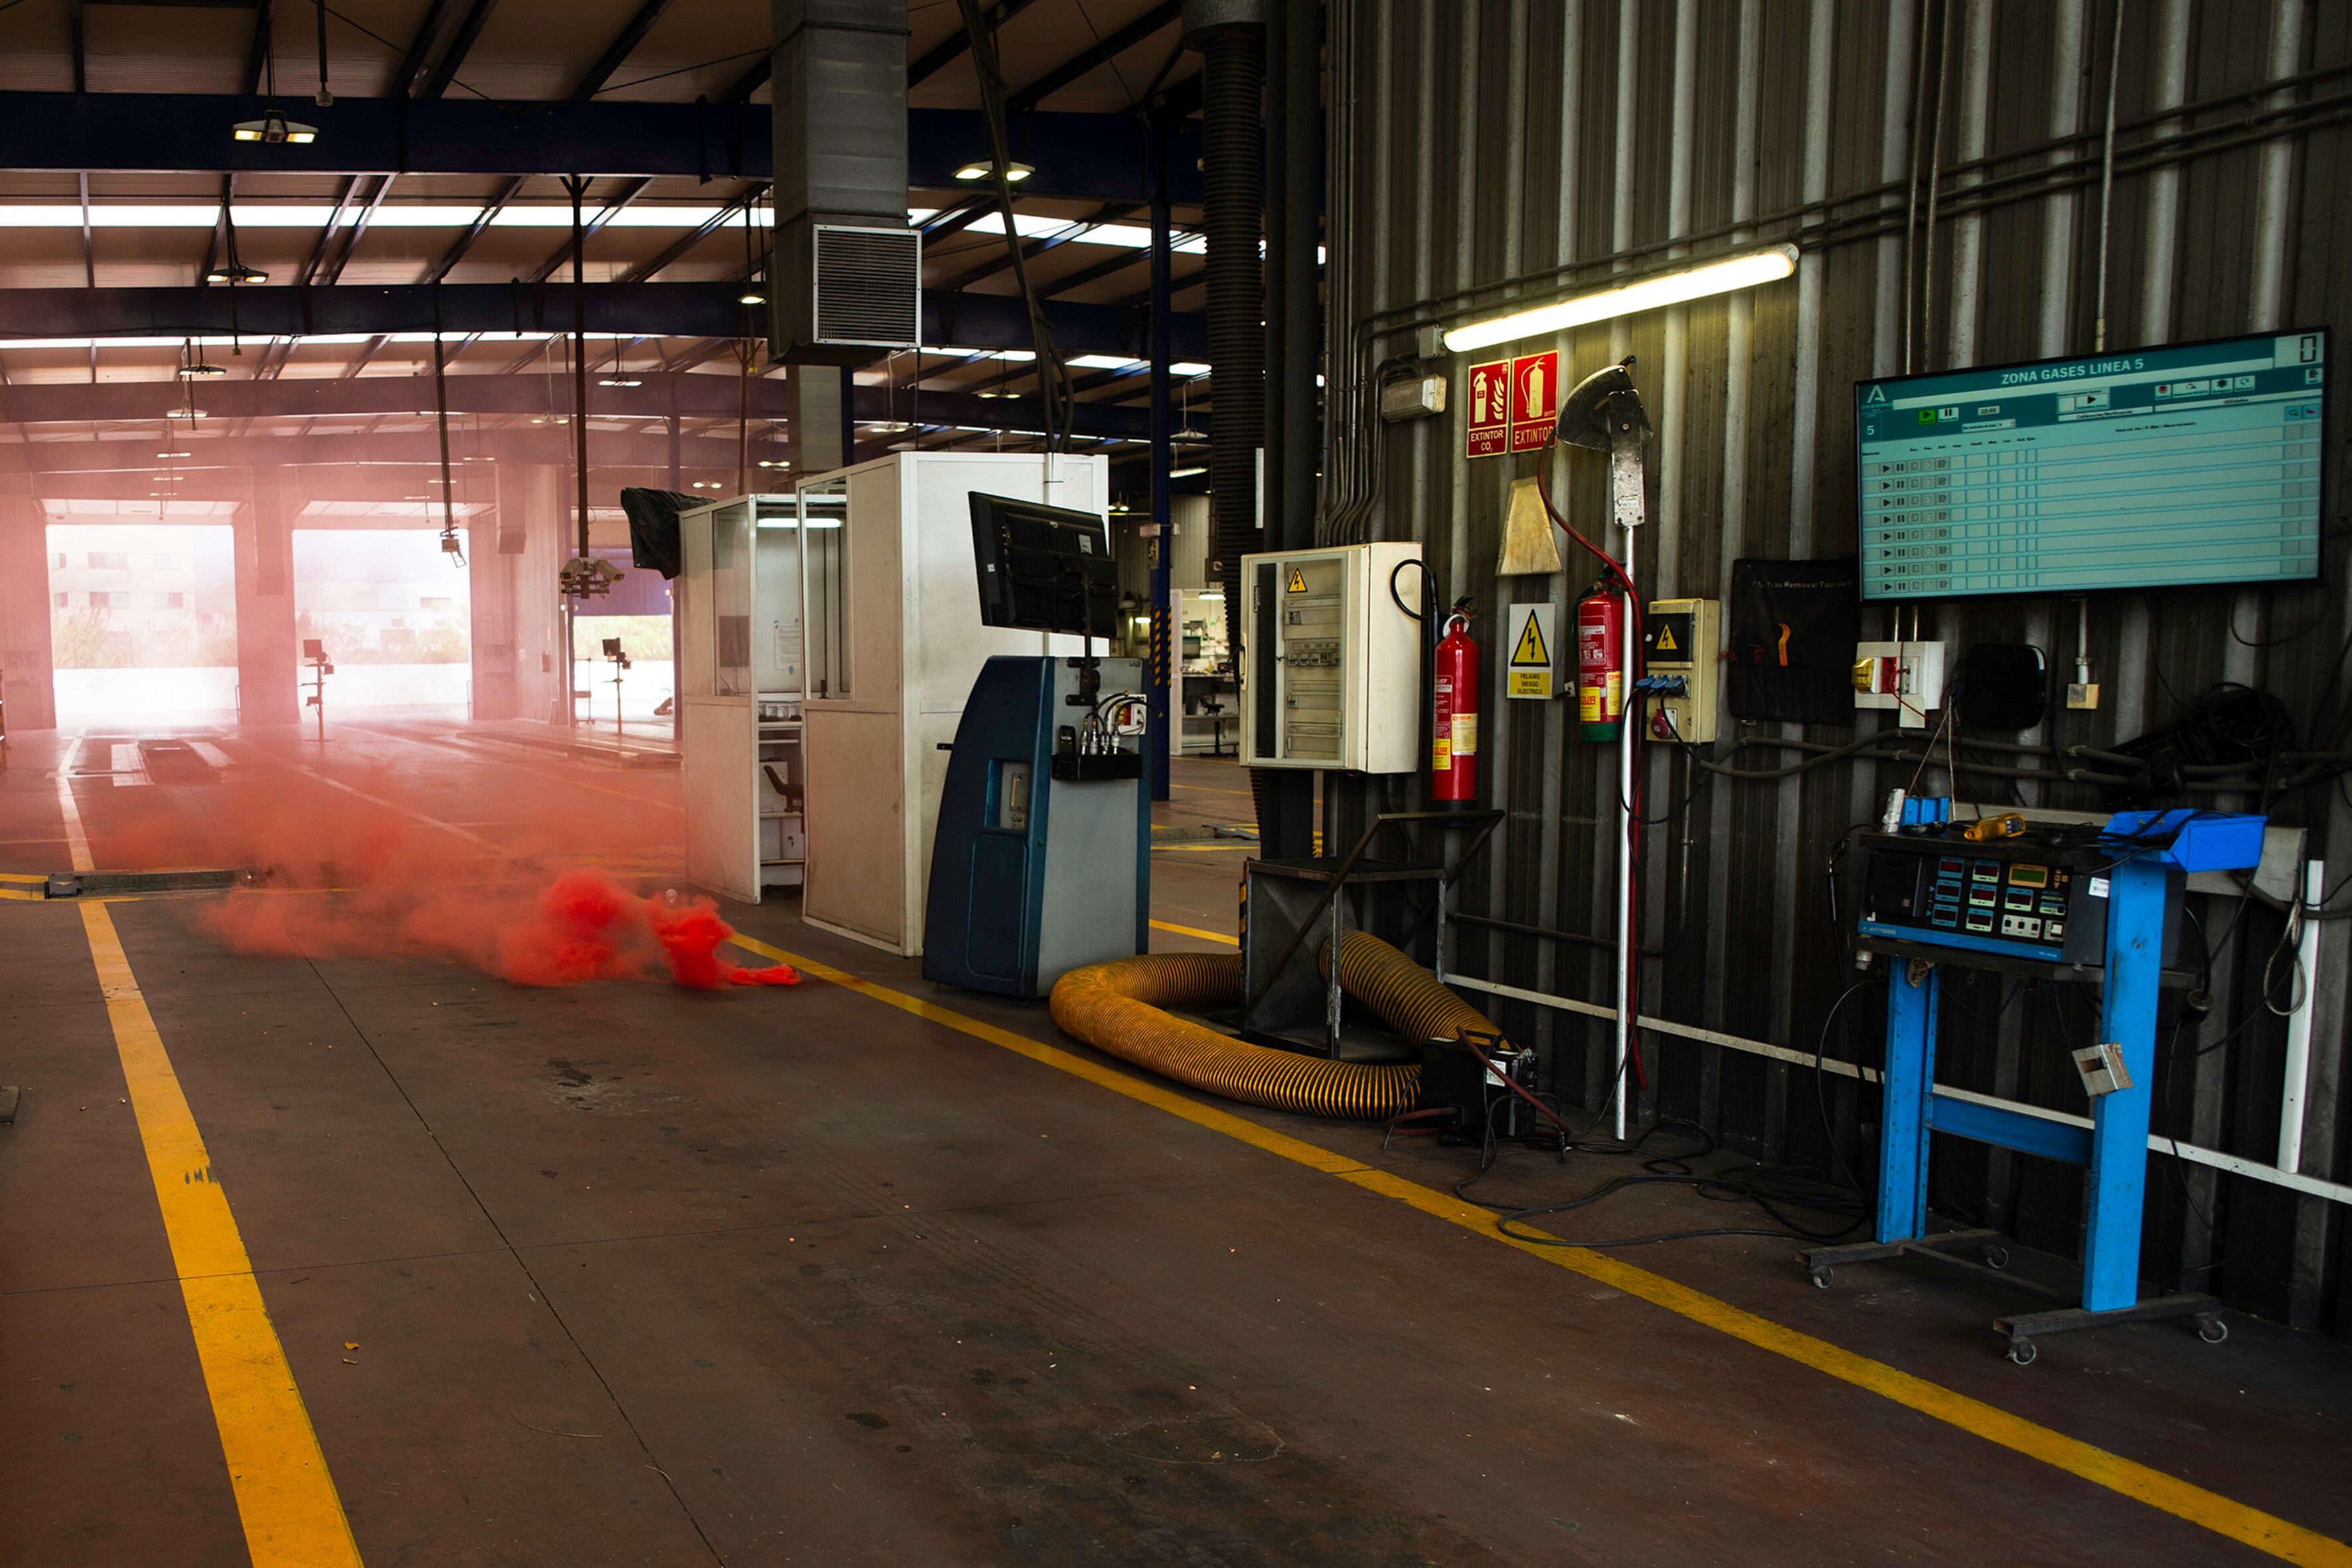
x=2194 y=463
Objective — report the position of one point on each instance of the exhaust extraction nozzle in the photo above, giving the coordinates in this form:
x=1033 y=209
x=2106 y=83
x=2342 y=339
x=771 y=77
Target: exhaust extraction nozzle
x=1602 y=410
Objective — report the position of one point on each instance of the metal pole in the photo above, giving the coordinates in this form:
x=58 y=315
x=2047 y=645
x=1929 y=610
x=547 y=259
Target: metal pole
x=1166 y=640
x=2296 y=1084
x=578 y=188
x=1625 y=480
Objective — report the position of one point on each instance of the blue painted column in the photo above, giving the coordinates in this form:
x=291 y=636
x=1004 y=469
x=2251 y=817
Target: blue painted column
x=2118 y=1180
x=1910 y=1074
x=1166 y=639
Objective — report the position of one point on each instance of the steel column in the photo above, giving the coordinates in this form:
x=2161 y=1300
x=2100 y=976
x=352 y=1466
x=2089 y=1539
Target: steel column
x=1166 y=640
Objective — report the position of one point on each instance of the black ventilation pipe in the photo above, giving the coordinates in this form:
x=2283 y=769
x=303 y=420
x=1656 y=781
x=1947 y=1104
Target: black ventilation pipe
x=1231 y=36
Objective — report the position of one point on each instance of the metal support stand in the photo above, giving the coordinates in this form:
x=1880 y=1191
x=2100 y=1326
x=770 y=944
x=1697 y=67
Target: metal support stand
x=2113 y=1149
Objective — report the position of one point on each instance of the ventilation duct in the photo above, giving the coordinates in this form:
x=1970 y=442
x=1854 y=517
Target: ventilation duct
x=847 y=268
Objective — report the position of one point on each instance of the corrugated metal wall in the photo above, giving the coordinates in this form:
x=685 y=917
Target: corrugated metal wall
x=1484 y=148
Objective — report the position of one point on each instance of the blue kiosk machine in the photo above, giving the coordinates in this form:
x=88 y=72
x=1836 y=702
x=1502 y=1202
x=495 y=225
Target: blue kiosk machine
x=1041 y=861
x=2095 y=905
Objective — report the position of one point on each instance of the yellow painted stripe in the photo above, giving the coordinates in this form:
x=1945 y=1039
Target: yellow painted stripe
x=1201 y=848
x=24 y=875
x=2142 y=1483
x=292 y=1516
x=1196 y=931
x=22 y=896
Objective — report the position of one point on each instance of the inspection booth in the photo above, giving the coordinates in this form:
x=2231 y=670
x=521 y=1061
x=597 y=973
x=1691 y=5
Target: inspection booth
x=741 y=687
x=836 y=635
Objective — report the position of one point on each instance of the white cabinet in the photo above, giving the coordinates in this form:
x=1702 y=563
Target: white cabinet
x=1333 y=675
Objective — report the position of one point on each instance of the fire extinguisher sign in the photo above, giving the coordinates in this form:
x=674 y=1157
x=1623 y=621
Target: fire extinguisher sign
x=1512 y=404
x=1488 y=409
x=1535 y=400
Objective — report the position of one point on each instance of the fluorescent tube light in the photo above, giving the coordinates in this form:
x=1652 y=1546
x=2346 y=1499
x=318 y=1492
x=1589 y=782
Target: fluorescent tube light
x=1674 y=288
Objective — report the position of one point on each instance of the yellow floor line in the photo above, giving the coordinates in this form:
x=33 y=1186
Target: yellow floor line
x=292 y=1515
x=24 y=875
x=22 y=895
x=1195 y=931
x=2210 y=1511
x=1200 y=849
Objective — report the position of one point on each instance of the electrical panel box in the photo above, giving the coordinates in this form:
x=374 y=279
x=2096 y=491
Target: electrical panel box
x=1332 y=658
x=1681 y=642
x=1908 y=676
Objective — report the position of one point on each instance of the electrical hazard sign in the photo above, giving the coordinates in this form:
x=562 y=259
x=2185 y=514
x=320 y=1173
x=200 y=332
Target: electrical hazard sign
x=1666 y=642
x=1535 y=400
x=1487 y=410
x=1298 y=580
x=1531 y=672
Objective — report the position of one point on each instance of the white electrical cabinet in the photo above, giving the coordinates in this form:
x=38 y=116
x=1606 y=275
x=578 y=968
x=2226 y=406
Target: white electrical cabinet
x=1333 y=676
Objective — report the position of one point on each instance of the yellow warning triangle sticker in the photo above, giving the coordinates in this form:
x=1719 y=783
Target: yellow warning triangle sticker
x=1530 y=649
x=1298 y=580
x=1667 y=643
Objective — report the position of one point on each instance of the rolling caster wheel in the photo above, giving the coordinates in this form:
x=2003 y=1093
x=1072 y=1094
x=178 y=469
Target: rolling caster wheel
x=2212 y=1330
x=2022 y=1351
x=1995 y=1256
x=1821 y=1274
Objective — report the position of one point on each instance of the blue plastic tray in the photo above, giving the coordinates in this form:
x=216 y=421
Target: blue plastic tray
x=2193 y=840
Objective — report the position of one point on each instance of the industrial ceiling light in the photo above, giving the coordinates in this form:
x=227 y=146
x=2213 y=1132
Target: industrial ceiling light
x=184 y=414
x=274 y=128
x=1765 y=265
x=1185 y=473
x=160 y=455
x=983 y=169
x=237 y=272
x=193 y=369
x=620 y=381
x=750 y=297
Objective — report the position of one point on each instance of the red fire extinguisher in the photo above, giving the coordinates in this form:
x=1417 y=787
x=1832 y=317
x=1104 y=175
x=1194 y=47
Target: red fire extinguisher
x=1453 y=745
x=1601 y=663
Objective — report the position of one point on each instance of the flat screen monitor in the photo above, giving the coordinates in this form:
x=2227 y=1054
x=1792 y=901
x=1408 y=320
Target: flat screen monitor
x=2189 y=464
x=1042 y=568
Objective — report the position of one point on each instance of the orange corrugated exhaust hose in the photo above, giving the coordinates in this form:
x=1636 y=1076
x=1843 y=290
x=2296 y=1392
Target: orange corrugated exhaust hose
x=1119 y=1007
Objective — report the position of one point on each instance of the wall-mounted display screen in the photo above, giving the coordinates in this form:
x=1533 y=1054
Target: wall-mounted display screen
x=2193 y=463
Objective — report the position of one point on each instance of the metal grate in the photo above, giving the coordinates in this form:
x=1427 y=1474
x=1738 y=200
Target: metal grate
x=869 y=286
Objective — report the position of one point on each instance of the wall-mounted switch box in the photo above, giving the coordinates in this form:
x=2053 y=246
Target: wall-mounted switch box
x=1908 y=676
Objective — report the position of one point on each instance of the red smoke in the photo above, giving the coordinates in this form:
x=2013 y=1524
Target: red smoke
x=582 y=926
x=463 y=862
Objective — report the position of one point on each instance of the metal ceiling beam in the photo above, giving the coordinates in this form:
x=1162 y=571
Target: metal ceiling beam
x=710 y=397
x=957 y=44
x=1091 y=157
x=1112 y=212
x=390 y=451
x=645 y=270
x=637 y=309
x=385 y=396
x=460 y=46
x=623 y=47
x=1159 y=19
x=420 y=47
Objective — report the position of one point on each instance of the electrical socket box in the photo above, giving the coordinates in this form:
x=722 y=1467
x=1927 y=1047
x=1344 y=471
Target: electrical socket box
x=1908 y=676
x=1331 y=671
x=1682 y=654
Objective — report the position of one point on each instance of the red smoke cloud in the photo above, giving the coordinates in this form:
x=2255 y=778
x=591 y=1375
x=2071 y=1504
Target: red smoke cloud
x=467 y=867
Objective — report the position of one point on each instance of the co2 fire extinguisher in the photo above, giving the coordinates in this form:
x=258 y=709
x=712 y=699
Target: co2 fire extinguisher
x=1454 y=744
x=1601 y=663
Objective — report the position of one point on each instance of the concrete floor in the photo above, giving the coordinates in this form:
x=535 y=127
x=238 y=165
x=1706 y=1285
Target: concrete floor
x=644 y=1276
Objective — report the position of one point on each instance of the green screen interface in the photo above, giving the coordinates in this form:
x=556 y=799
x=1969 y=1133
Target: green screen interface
x=2191 y=464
